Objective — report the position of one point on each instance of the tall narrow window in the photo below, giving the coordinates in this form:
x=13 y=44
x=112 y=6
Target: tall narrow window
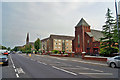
x=88 y=42
x=78 y=41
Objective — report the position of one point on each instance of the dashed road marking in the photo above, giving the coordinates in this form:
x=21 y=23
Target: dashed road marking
x=15 y=70
x=31 y=59
x=41 y=62
x=12 y=62
x=97 y=73
x=61 y=59
x=90 y=62
x=89 y=69
x=14 y=67
x=44 y=63
x=65 y=70
x=38 y=61
x=17 y=75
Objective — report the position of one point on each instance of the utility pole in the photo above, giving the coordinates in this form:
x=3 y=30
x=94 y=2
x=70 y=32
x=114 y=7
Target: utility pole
x=117 y=25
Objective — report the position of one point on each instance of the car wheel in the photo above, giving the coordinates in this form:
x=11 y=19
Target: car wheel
x=113 y=65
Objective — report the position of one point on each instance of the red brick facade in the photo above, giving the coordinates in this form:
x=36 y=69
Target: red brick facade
x=84 y=40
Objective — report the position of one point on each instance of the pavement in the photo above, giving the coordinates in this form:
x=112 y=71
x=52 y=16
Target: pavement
x=44 y=66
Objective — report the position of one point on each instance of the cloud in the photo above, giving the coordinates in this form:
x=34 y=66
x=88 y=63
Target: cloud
x=58 y=1
x=45 y=18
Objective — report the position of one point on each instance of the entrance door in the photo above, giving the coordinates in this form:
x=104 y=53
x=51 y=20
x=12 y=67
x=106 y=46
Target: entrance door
x=88 y=51
x=95 y=50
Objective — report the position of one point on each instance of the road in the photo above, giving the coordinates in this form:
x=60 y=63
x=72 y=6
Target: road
x=43 y=66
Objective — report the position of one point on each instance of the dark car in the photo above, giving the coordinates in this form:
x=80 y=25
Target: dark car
x=3 y=59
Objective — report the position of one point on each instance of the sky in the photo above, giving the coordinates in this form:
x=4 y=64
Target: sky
x=41 y=18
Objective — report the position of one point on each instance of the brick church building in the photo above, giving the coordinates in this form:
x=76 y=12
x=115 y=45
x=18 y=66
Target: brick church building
x=86 y=39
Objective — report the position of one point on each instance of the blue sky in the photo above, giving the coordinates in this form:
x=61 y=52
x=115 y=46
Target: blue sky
x=45 y=18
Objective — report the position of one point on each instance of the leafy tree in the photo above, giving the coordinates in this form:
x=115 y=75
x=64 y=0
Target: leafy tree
x=28 y=47
x=8 y=48
x=15 y=49
x=3 y=47
x=107 y=41
x=37 y=44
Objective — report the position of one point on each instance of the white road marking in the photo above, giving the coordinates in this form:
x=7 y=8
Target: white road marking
x=90 y=69
x=65 y=70
x=57 y=62
x=61 y=59
x=44 y=63
x=20 y=70
x=32 y=59
x=15 y=70
x=17 y=75
x=14 y=66
x=69 y=68
x=90 y=62
x=97 y=73
x=12 y=62
x=96 y=70
x=38 y=61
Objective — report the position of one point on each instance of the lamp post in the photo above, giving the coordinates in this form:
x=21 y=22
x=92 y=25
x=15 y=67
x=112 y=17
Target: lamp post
x=117 y=25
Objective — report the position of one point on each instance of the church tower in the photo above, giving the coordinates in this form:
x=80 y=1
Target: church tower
x=27 y=39
x=79 y=41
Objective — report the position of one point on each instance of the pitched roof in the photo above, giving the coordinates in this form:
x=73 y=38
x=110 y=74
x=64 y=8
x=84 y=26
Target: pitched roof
x=90 y=34
x=45 y=39
x=96 y=34
x=82 y=22
x=62 y=37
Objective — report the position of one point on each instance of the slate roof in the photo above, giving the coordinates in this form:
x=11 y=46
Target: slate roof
x=45 y=39
x=96 y=34
x=82 y=22
x=63 y=37
x=90 y=34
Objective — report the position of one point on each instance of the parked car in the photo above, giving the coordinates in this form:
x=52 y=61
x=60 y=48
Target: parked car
x=114 y=61
x=19 y=52
x=3 y=59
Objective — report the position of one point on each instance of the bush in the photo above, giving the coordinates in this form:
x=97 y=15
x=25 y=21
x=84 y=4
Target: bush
x=55 y=51
x=108 y=51
x=28 y=51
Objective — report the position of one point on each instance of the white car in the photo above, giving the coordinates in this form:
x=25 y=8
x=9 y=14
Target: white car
x=114 y=61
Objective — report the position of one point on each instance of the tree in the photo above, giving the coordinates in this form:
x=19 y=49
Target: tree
x=15 y=49
x=28 y=48
x=8 y=48
x=37 y=44
x=3 y=47
x=108 y=29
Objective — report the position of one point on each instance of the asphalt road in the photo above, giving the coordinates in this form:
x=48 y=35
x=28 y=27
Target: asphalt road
x=42 y=66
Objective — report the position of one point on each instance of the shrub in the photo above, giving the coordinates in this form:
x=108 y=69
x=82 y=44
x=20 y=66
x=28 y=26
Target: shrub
x=55 y=51
x=108 y=51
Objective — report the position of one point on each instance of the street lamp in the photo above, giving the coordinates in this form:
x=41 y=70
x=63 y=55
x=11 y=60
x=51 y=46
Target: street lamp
x=117 y=25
